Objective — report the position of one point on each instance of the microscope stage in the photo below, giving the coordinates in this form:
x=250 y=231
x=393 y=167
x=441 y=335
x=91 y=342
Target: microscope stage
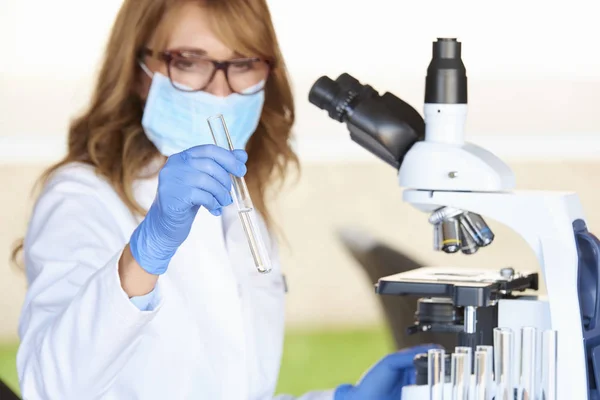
x=465 y=286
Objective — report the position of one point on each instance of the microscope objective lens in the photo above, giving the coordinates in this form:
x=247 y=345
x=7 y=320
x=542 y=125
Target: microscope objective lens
x=450 y=235
x=467 y=243
x=480 y=231
x=438 y=237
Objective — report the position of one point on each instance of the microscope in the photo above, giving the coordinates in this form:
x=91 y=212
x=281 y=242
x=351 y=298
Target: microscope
x=512 y=343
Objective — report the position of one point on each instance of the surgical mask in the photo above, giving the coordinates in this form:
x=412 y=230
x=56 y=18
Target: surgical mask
x=175 y=120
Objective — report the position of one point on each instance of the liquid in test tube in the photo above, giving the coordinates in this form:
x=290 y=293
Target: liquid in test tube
x=241 y=197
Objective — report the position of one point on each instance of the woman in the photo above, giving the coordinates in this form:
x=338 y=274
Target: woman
x=167 y=304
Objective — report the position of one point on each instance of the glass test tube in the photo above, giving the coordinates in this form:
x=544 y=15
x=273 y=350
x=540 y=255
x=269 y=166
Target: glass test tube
x=436 y=373
x=549 y=364
x=489 y=350
x=527 y=364
x=241 y=197
x=469 y=352
x=460 y=375
x=483 y=373
x=503 y=362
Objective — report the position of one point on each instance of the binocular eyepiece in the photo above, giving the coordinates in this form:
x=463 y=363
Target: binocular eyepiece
x=383 y=124
x=339 y=97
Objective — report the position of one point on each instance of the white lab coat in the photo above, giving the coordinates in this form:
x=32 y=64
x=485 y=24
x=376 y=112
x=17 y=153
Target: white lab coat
x=216 y=332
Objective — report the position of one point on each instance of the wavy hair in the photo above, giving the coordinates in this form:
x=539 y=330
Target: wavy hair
x=109 y=136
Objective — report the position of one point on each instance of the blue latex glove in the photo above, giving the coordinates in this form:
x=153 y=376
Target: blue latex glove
x=385 y=380
x=197 y=177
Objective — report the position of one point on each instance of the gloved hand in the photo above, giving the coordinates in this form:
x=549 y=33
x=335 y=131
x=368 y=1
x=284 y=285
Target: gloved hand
x=197 y=177
x=385 y=380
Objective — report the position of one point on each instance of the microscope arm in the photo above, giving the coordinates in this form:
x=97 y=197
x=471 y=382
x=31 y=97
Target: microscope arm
x=545 y=221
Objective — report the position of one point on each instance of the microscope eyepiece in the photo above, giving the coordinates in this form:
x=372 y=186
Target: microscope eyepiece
x=383 y=124
x=446 y=48
x=446 y=81
x=323 y=92
x=336 y=97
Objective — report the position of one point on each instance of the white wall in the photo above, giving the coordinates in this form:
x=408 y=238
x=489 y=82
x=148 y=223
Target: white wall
x=534 y=76
x=533 y=67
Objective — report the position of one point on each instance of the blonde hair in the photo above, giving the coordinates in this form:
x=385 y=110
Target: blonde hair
x=109 y=136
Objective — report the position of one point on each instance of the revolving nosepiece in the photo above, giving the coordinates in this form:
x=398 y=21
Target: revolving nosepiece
x=456 y=230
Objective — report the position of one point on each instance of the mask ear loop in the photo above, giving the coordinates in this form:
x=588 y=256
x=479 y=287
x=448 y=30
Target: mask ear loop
x=145 y=68
x=195 y=127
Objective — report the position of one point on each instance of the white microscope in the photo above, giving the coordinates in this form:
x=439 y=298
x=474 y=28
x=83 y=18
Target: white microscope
x=511 y=344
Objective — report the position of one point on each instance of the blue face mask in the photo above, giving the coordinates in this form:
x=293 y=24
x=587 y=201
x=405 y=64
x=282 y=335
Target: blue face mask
x=176 y=121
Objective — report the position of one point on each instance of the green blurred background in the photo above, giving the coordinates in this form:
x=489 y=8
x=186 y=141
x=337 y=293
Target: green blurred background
x=312 y=360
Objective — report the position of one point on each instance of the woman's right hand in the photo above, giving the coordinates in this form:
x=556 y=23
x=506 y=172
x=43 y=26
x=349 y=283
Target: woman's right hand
x=197 y=177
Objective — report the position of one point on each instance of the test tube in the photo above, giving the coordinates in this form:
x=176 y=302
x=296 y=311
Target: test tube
x=469 y=352
x=241 y=197
x=503 y=362
x=549 y=364
x=489 y=350
x=527 y=370
x=436 y=373
x=483 y=373
x=460 y=375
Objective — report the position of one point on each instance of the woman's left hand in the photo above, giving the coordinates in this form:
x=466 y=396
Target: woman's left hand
x=386 y=379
